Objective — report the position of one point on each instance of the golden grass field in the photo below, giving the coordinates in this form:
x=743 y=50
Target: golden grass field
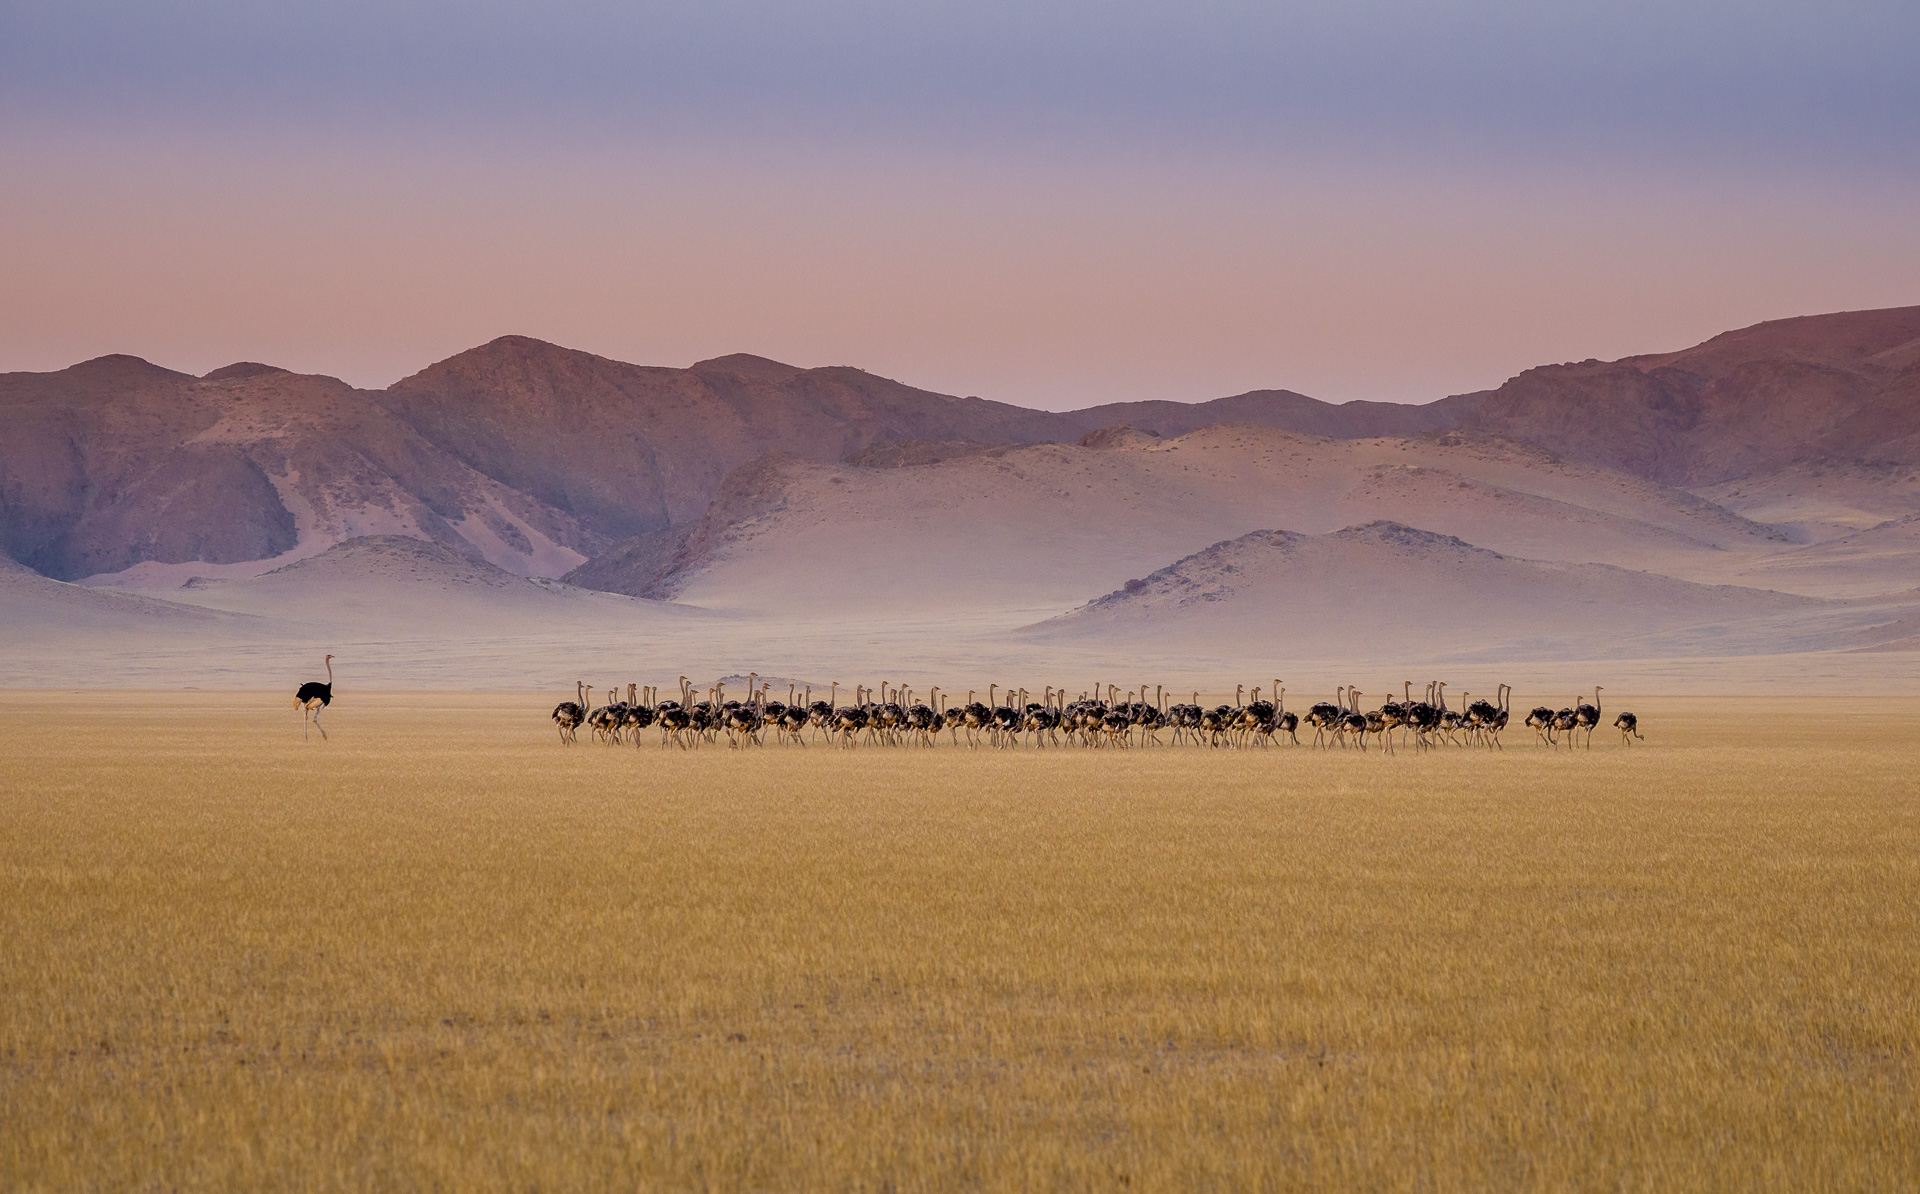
x=441 y=951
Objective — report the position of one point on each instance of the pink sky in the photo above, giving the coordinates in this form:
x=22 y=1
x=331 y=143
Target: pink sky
x=1071 y=220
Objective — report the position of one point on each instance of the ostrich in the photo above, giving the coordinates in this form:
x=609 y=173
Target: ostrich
x=793 y=720
x=312 y=697
x=1451 y=721
x=1395 y=712
x=675 y=720
x=1353 y=721
x=1504 y=711
x=1424 y=717
x=921 y=719
x=1215 y=722
x=1148 y=718
x=1565 y=721
x=1256 y=719
x=1488 y=718
x=1629 y=727
x=569 y=714
x=1283 y=721
x=606 y=719
x=1587 y=716
x=1541 y=719
x=820 y=713
x=641 y=711
x=1004 y=728
x=743 y=724
x=1481 y=715
x=1381 y=723
x=974 y=718
x=1325 y=716
x=848 y=723
x=1185 y=719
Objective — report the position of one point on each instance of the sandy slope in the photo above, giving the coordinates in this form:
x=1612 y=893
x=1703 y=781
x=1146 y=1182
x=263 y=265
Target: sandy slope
x=398 y=612
x=34 y=609
x=1387 y=590
x=1823 y=501
x=1043 y=528
x=400 y=588
x=923 y=574
x=1860 y=564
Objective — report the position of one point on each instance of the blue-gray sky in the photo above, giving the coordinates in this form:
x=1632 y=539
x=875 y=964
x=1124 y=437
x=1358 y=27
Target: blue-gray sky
x=1053 y=203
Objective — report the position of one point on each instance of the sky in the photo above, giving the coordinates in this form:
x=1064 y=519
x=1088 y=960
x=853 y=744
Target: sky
x=1050 y=203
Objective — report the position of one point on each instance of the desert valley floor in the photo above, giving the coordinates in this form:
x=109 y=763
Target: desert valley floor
x=443 y=949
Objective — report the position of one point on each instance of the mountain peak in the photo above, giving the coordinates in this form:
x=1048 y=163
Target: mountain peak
x=508 y=355
x=745 y=364
x=120 y=366
x=241 y=370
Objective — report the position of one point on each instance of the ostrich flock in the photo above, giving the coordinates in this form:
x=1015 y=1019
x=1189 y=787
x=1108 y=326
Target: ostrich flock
x=1100 y=717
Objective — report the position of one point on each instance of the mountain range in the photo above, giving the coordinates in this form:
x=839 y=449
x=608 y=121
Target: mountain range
x=1780 y=461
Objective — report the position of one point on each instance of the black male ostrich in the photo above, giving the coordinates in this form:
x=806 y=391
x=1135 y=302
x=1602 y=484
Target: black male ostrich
x=1494 y=719
x=1564 y=723
x=1541 y=719
x=312 y=697
x=1629 y=727
x=569 y=714
x=1283 y=721
x=1587 y=716
x=1325 y=716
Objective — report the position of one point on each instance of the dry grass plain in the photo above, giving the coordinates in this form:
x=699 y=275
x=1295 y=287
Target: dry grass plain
x=442 y=952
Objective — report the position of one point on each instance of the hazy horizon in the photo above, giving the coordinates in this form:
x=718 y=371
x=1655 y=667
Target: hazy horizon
x=1055 y=206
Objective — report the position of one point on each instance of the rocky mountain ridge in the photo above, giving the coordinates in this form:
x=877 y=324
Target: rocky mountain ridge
x=547 y=461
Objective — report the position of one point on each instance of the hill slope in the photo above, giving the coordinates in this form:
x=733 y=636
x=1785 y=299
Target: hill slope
x=1041 y=526
x=1384 y=590
x=1843 y=387
x=116 y=463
